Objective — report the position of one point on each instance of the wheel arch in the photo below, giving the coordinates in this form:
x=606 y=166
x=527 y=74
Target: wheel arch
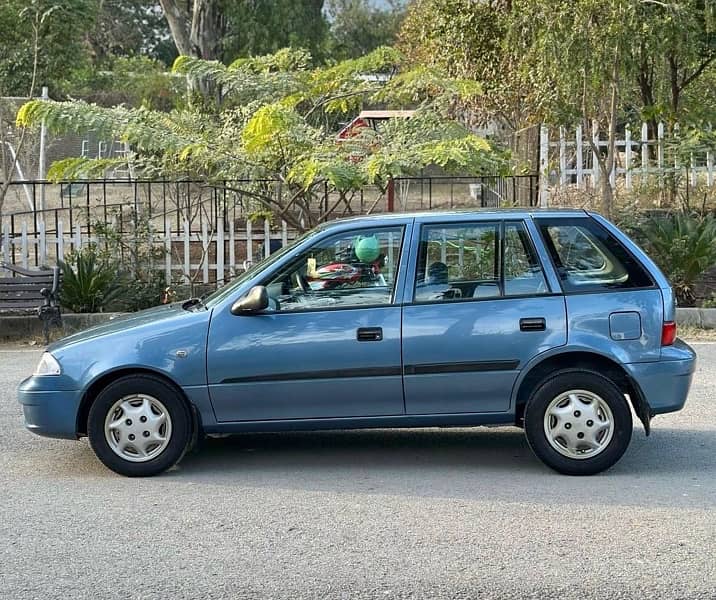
x=103 y=380
x=580 y=358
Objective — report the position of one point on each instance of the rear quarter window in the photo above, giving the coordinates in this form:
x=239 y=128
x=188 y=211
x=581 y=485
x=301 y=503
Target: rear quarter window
x=589 y=258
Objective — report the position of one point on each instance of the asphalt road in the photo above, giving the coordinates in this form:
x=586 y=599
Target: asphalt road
x=376 y=514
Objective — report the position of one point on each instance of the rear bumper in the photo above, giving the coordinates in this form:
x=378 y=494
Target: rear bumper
x=50 y=413
x=665 y=383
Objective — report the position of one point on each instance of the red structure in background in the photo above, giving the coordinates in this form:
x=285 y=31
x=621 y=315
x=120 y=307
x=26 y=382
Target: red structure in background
x=373 y=119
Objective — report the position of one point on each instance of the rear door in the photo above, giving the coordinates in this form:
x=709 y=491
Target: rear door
x=477 y=307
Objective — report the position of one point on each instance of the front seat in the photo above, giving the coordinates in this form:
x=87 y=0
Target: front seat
x=437 y=286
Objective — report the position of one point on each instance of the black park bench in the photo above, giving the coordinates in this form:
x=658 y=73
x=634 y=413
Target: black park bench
x=32 y=291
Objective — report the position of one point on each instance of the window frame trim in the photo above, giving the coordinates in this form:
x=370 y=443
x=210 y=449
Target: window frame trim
x=406 y=231
x=500 y=225
x=552 y=251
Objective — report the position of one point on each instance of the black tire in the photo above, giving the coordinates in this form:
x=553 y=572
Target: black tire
x=180 y=419
x=563 y=381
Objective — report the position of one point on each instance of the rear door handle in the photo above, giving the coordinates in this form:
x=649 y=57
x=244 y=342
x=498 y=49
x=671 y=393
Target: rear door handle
x=369 y=334
x=533 y=324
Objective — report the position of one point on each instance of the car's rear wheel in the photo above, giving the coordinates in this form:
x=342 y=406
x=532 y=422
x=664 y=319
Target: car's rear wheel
x=139 y=426
x=578 y=422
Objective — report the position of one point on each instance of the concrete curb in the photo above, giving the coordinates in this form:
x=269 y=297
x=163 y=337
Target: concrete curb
x=703 y=318
x=25 y=327
x=15 y=328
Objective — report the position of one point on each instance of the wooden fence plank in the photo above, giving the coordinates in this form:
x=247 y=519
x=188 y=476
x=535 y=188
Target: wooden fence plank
x=627 y=157
x=267 y=238
x=644 y=149
x=249 y=243
x=60 y=240
x=580 y=157
x=205 y=244
x=167 y=250
x=6 y=244
x=220 y=254
x=595 y=151
x=23 y=246
x=562 y=157
x=42 y=245
x=232 y=248
x=187 y=238
x=660 y=153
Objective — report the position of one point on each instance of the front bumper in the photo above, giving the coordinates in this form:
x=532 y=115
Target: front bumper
x=49 y=412
x=665 y=383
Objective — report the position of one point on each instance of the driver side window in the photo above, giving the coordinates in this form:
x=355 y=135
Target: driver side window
x=356 y=268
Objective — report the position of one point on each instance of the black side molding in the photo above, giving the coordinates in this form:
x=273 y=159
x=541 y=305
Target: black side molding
x=327 y=374
x=462 y=367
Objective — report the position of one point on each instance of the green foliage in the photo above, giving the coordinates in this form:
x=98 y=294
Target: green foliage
x=255 y=28
x=133 y=255
x=358 y=27
x=115 y=272
x=684 y=247
x=278 y=119
x=554 y=59
x=131 y=80
x=129 y=28
x=60 y=26
x=89 y=281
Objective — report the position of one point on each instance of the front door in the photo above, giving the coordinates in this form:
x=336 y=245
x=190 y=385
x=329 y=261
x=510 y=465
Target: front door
x=329 y=344
x=478 y=308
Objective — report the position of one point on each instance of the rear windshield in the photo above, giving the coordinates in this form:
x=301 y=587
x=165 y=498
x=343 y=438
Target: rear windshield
x=589 y=258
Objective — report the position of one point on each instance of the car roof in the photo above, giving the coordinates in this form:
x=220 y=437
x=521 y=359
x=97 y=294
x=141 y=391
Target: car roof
x=459 y=215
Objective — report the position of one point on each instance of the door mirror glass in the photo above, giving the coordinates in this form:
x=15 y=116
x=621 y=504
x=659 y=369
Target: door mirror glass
x=255 y=301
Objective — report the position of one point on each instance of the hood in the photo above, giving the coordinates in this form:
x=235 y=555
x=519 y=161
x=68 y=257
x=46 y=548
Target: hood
x=121 y=323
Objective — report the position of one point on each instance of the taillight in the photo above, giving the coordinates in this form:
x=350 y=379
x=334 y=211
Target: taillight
x=668 y=333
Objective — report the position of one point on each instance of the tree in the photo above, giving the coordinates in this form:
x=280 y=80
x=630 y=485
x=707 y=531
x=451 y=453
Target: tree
x=275 y=123
x=569 y=62
x=257 y=27
x=40 y=17
x=126 y=28
x=60 y=45
x=473 y=40
x=358 y=27
x=197 y=26
x=596 y=35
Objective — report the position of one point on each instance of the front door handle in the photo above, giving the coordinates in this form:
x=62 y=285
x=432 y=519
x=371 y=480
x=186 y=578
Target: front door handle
x=369 y=334
x=533 y=324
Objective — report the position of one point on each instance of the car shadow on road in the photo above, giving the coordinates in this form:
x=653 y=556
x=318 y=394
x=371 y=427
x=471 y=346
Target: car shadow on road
x=444 y=462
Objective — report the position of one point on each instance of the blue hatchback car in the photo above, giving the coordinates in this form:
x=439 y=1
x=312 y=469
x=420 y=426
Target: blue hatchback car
x=551 y=321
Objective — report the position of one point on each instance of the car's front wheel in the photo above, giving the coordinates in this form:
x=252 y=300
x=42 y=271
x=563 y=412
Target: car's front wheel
x=578 y=422
x=139 y=426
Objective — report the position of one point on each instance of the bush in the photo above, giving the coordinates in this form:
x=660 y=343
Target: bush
x=89 y=281
x=141 y=286
x=684 y=247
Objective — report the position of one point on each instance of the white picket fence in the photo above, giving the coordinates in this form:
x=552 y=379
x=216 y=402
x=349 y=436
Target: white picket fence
x=567 y=159
x=203 y=256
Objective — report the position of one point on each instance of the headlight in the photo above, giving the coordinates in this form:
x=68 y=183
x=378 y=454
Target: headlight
x=47 y=366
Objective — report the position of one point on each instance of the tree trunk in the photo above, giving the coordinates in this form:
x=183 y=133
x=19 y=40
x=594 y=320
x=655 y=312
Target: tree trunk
x=198 y=34
x=608 y=167
x=179 y=24
x=207 y=29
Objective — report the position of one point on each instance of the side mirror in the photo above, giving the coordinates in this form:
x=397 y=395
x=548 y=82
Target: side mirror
x=255 y=301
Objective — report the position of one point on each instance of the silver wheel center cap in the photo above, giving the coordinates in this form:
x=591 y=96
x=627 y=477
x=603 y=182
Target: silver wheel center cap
x=578 y=424
x=138 y=428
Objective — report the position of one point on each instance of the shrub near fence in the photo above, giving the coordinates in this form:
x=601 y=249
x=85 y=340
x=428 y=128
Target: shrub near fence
x=205 y=234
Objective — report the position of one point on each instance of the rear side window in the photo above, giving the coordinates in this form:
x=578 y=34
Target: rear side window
x=476 y=260
x=589 y=258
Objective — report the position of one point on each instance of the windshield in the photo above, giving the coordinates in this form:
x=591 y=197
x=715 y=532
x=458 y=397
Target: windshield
x=255 y=269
